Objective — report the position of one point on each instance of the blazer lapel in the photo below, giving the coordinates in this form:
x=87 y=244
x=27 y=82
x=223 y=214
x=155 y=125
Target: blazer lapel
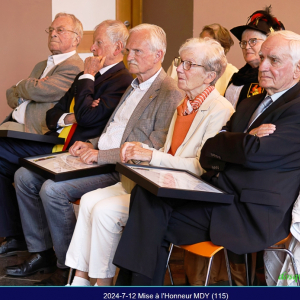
x=109 y=72
x=149 y=96
x=291 y=94
x=200 y=114
x=41 y=70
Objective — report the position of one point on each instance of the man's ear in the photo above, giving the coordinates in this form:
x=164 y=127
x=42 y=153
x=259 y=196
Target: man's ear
x=211 y=75
x=297 y=71
x=118 y=48
x=77 y=40
x=158 y=56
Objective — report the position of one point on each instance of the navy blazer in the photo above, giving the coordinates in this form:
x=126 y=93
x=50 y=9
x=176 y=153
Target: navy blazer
x=262 y=173
x=109 y=87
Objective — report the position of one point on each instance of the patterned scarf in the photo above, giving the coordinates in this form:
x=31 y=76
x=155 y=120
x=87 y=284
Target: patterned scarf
x=191 y=106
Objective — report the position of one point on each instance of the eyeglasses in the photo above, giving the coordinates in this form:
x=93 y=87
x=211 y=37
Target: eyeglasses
x=251 y=42
x=59 y=30
x=185 y=63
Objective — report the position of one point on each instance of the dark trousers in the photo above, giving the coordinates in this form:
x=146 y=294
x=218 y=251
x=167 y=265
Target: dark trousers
x=153 y=223
x=10 y=152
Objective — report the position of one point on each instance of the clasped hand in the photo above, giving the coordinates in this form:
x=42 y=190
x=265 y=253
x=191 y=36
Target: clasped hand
x=133 y=150
x=85 y=151
x=263 y=130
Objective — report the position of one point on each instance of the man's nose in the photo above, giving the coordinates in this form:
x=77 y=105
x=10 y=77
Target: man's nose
x=54 y=33
x=130 y=55
x=263 y=65
x=92 y=49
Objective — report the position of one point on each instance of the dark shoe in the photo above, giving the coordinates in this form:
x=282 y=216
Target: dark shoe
x=11 y=246
x=58 y=278
x=35 y=263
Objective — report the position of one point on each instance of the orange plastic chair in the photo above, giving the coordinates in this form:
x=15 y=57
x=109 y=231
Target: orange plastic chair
x=206 y=249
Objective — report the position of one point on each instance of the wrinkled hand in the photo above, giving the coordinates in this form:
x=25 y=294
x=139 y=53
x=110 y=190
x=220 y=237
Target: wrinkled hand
x=93 y=64
x=95 y=102
x=44 y=79
x=263 y=130
x=89 y=156
x=80 y=147
x=70 y=119
x=133 y=150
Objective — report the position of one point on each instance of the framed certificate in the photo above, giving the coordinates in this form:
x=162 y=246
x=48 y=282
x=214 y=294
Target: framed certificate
x=32 y=137
x=173 y=183
x=63 y=166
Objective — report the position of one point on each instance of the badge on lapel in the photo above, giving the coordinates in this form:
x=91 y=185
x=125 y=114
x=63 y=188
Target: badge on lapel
x=254 y=89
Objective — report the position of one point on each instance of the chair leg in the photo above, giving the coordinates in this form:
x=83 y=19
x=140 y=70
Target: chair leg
x=168 y=266
x=70 y=276
x=291 y=255
x=208 y=271
x=247 y=270
x=228 y=267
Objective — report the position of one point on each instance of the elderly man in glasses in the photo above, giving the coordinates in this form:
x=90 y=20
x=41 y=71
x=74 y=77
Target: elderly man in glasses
x=49 y=80
x=79 y=115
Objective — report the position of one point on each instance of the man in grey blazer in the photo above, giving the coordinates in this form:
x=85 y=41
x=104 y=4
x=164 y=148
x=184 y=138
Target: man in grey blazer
x=143 y=114
x=49 y=80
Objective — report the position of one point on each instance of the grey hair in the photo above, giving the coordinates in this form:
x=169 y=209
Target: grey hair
x=78 y=28
x=116 y=31
x=211 y=56
x=260 y=34
x=158 y=39
x=294 y=43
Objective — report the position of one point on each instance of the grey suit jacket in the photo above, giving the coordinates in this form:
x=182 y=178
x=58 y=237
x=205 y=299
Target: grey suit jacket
x=44 y=94
x=149 y=122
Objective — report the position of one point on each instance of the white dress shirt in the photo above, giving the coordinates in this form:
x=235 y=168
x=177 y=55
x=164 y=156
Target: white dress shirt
x=113 y=136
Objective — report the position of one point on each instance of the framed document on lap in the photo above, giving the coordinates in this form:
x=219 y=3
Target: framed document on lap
x=63 y=166
x=32 y=137
x=173 y=183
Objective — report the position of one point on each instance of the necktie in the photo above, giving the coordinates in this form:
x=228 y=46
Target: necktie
x=97 y=75
x=260 y=109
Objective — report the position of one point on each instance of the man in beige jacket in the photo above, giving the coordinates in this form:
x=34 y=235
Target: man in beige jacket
x=49 y=80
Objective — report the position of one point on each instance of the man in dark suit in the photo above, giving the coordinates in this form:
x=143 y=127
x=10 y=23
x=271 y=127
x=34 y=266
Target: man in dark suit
x=256 y=158
x=87 y=105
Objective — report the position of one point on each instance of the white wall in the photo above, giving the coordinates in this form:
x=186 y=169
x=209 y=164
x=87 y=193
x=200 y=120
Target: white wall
x=89 y=12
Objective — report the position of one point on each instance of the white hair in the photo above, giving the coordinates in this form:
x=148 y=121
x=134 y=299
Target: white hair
x=256 y=32
x=211 y=56
x=78 y=28
x=293 y=41
x=158 y=39
x=116 y=31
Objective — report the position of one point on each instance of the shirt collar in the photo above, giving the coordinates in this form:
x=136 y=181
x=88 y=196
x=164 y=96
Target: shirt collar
x=275 y=96
x=58 y=58
x=146 y=84
x=103 y=70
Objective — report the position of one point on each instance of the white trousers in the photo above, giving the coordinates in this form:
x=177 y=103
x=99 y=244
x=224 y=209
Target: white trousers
x=98 y=230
